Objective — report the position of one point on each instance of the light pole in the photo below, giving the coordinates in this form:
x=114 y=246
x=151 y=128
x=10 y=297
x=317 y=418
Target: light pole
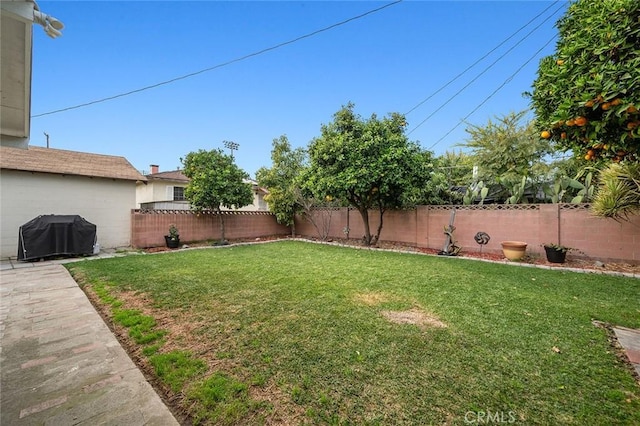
x=231 y=145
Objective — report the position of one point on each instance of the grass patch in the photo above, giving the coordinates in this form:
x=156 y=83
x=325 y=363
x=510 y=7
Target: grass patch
x=221 y=400
x=141 y=327
x=302 y=328
x=176 y=368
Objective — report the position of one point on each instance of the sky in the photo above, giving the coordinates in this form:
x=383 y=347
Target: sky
x=402 y=58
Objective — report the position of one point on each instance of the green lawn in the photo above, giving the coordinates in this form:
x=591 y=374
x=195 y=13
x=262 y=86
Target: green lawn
x=295 y=332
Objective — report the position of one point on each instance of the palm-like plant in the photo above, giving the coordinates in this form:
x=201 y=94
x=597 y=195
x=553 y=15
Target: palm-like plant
x=619 y=193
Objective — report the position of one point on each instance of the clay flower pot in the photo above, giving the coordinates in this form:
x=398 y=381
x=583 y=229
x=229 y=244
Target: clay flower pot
x=514 y=250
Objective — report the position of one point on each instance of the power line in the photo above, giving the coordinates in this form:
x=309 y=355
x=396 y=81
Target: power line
x=479 y=60
x=224 y=64
x=484 y=71
x=494 y=92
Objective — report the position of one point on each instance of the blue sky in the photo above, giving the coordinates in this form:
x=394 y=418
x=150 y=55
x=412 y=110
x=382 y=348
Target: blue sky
x=388 y=61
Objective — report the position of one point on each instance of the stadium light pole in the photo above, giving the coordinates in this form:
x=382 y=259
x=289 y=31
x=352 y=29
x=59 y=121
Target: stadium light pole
x=231 y=145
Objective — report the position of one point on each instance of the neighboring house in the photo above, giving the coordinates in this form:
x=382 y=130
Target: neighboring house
x=165 y=191
x=38 y=181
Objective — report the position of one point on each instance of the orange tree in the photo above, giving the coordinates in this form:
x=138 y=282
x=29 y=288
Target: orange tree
x=587 y=95
x=370 y=163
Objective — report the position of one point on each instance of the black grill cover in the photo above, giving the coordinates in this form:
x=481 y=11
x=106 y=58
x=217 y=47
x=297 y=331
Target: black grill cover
x=56 y=235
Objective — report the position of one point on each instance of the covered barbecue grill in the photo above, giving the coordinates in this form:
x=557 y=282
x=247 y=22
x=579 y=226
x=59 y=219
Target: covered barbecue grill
x=56 y=235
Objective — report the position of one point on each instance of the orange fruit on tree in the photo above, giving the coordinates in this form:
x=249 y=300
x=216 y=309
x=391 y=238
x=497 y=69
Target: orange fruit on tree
x=571 y=123
x=563 y=135
x=545 y=134
x=587 y=157
x=589 y=104
x=560 y=62
x=606 y=106
x=616 y=101
x=605 y=147
x=632 y=125
x=580 y=121
x=632 y=109
x=591 y=153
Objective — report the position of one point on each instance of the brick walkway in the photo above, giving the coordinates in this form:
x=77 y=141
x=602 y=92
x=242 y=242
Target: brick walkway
x=61 y=365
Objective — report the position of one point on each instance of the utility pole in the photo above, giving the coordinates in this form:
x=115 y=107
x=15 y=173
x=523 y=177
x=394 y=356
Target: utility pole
x=231 y=145
x=47 y=136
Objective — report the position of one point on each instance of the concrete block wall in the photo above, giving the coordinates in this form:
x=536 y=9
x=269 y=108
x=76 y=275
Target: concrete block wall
x=148 y=228
x=568 y=224
x=536 y=224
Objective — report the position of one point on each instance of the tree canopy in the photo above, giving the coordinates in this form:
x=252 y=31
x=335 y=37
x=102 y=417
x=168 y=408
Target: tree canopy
x=215 y=181
x=506 y=151
x=587 y=94
x=370 y=163
x=282 y=180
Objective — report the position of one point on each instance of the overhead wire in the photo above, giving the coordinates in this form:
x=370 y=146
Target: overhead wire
x=441 y=106
x=478 y=61
x=224 y=64
x=494 y=92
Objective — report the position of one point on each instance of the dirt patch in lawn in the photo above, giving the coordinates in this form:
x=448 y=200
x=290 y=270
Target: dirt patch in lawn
x=414 y=316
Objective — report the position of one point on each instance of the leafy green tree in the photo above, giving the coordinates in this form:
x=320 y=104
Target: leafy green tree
x=456 y=169
x=435 y=190
x=215 y=182
x=587 y=94
x=506 y=151
x=282 y=181
x=368 y=162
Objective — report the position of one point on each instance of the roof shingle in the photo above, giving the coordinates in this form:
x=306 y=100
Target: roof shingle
x=175 y=175
x=59 y=161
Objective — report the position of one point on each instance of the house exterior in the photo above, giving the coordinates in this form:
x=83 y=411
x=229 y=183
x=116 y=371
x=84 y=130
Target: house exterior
x=165 y=191
x=16 y=38
x=38 y=181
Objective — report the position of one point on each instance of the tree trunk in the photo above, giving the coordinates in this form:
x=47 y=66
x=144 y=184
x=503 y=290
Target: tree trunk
x=377 y=236
x=221 y=216
x=293 y=228
x=365 y=221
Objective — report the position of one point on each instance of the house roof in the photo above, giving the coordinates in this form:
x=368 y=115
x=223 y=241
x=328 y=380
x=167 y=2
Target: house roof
x=174 y=175
x=59 y=161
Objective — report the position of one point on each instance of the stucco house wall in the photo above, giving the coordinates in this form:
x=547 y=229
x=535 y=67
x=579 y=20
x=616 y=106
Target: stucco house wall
x=40 y=181
x=105 y=203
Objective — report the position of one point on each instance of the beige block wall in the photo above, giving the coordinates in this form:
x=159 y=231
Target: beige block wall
x=149 y=228
x=535 y=224
x=107 y=203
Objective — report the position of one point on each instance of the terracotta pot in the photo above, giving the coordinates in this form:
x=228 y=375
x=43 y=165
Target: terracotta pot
x=514 y=250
